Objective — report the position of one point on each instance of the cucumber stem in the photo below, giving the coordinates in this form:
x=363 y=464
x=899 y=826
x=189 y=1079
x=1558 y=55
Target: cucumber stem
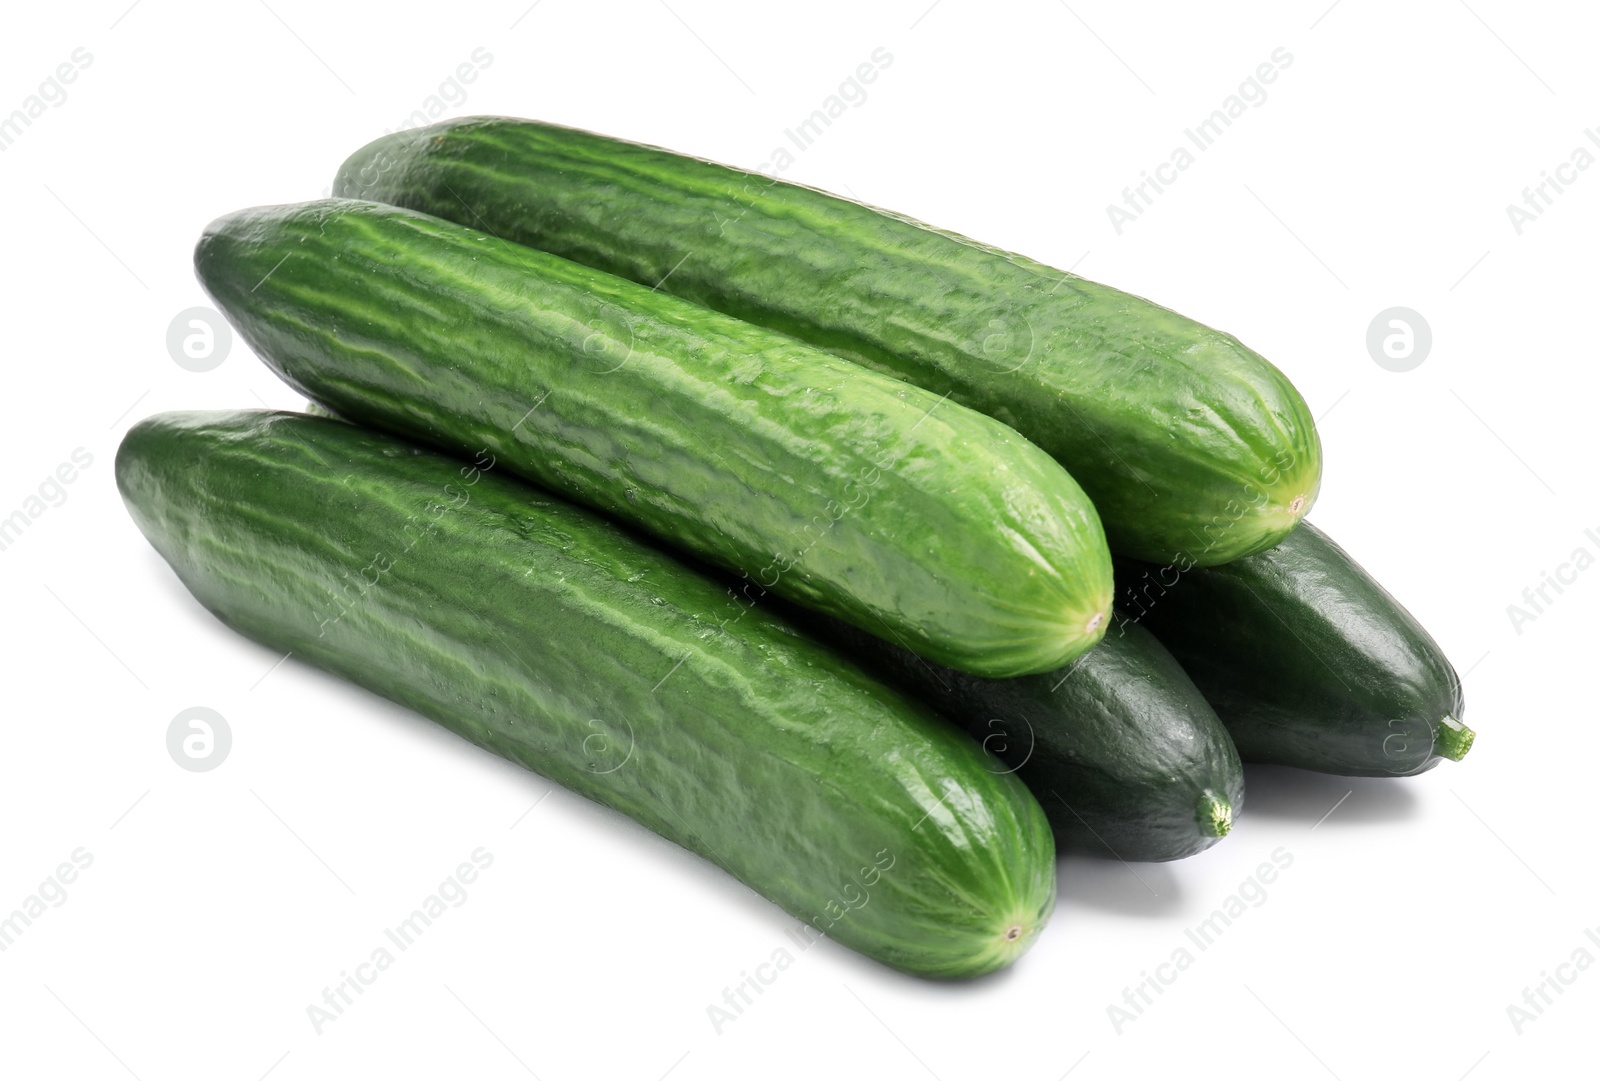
x=1216 y=815
x=1453 y=739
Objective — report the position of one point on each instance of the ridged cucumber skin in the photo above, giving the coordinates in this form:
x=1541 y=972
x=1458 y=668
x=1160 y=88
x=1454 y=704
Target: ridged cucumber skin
x=1120 y=748
x=840 y=488
x=1122 y=751
x=1306 y=658
x=1191 y=445
x=559 y=641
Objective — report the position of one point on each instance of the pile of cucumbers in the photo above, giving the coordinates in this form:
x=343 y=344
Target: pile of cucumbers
x=896 y=563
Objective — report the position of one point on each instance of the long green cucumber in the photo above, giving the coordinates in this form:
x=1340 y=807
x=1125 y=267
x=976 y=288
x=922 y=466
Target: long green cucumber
x=1120 y=748
x=1307 y=660
x=1191 y=445
x=840 y=488
x=1122 y=751
x=554 y=638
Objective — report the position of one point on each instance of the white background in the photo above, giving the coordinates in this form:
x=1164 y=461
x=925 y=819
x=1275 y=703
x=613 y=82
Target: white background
x=1377 y=173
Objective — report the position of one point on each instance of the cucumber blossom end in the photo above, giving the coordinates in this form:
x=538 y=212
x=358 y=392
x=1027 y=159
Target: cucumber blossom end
x=1216 y=815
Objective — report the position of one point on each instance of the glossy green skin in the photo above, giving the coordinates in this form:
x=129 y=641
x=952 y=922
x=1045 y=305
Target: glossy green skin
x=557 y=640
x=839 y=488
x=1307 y=660
x=1191 y=445
x=1120 y=748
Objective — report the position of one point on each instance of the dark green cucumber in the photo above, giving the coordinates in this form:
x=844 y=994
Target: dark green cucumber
x=552 y=637
x=837 y=487
x=1307 y=660
x=1192 y=446
x=1120 y=748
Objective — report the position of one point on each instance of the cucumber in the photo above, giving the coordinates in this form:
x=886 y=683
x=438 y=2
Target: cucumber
x=1120 y=748
x=1192 y=446
x=837 y=487
x=555 y=639
x=1307 y=660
